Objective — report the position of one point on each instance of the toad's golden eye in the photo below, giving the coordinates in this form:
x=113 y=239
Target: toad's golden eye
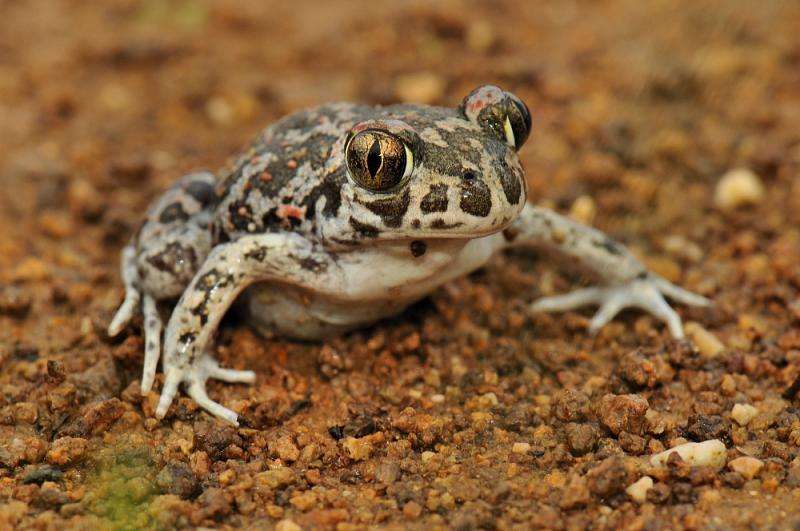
x=377 y=160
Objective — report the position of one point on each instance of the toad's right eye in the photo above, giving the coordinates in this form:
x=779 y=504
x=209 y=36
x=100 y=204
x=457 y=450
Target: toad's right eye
x=377 y=160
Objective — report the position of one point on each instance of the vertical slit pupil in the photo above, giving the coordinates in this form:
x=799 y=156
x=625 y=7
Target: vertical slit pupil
x=374 y=158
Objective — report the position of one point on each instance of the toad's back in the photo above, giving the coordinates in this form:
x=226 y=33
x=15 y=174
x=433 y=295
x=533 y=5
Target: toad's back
x=275 y=185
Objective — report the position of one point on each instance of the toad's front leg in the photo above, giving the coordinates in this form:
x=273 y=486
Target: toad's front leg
x=231 y=267
x=628 y=282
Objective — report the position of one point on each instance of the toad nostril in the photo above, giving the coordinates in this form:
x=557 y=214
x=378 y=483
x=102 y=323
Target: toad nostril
x=468 y=176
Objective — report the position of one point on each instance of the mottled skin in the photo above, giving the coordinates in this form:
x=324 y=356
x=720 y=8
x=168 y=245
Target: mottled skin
x=341 y=215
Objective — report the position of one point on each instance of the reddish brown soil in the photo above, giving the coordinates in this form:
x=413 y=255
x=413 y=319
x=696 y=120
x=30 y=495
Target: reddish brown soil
x=639 y=106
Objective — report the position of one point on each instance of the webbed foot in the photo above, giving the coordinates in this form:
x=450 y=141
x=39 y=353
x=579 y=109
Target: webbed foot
x=195 y=377
x=647 y=294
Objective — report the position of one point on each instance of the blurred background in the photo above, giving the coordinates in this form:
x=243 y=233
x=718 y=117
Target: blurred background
x=673 y=125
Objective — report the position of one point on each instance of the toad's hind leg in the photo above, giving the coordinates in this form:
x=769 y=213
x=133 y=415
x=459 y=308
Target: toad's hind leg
x=157 y=265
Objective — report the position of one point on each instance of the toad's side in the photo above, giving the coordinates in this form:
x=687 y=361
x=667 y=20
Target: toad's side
x=341 y=215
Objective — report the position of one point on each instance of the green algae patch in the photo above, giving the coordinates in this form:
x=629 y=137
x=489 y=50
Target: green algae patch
x=120 y=488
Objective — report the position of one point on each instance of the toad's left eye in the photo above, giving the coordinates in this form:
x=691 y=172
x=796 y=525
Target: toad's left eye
x=377 y=160
x=517 y=125
x=500 y=113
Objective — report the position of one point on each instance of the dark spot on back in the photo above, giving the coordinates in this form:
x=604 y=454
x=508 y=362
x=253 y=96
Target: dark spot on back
x=240 y=214
x=173 y=212
x=202 y=191
x=330 y=189
x=175 y=259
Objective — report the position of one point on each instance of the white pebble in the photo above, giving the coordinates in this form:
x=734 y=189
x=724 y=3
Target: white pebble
x=583 y=210
x=706 y=453
x=738 y=187
x=707 y=343
x=743 y=413
x=638 y=491
x=219 y=110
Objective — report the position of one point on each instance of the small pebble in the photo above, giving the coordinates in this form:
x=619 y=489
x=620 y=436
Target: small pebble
x=623 y=412
x=743 y=413
x=67 y=450
x=706 y=342
x=357 y=449
x=57 y=225
x=219 y=110
x=14 y=301
x=638 y=491
x=31 y=269
x=728 y=386
x=747 y=466
x=115 y=97
x=287 y=525
x=286 y=449
x=226 y=477
x=41 y=474
x=707 y=453
x=84 y=199
x=480 y=36
x=737 y=188
x=583 y=210
x=412 y=510
x=421 y=87
x=427 y=456
x=521 y=448
x=304 y=501
x=680 y=247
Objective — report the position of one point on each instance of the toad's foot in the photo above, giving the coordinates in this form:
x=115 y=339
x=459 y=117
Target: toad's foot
x=647 y=294
x=195 y=377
